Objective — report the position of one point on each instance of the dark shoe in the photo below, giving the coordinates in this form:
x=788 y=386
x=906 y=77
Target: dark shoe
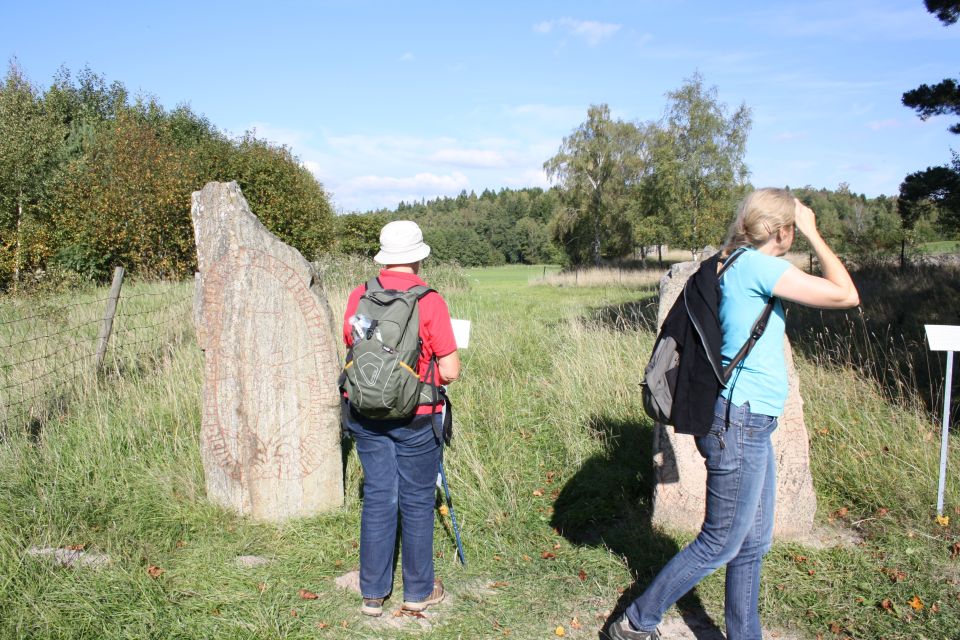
x=621 y=629
x=435 y=596
x=372 y=607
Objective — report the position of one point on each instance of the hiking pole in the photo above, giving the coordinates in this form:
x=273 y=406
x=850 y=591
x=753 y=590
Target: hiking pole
x=446 y=488
x=453 y=517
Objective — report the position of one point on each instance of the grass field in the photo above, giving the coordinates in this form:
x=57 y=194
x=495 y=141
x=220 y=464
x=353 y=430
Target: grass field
x=550 y=436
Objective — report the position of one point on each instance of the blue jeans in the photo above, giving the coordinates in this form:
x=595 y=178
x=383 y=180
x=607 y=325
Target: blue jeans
x=737 y=528
x=400 y=462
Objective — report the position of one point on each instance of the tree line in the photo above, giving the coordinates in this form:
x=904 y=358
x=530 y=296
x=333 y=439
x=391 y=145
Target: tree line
x=625 y=189
x=91 y=178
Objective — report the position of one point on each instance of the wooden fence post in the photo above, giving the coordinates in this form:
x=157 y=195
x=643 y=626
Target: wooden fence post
x=108 y=314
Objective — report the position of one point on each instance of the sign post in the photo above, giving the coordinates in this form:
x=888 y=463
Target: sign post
x=942 y=337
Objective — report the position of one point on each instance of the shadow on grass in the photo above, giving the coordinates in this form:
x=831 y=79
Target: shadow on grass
x=608 y=503
x=885 y=338
x=637 y=315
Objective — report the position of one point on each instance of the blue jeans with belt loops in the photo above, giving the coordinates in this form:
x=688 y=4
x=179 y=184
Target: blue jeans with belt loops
x=737 y=528
x=400 y=462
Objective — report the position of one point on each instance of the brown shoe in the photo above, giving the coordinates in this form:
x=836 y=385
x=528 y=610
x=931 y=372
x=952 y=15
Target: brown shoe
x=372 y=607
x=435 y=596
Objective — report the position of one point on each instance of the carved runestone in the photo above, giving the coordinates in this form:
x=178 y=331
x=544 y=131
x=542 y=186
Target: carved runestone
x=681 y=476
x=270 y=439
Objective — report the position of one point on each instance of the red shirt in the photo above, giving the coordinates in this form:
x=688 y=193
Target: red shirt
x=436 y=331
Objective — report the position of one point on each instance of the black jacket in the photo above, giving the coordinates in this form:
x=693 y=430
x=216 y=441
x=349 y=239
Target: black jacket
x=694 y=322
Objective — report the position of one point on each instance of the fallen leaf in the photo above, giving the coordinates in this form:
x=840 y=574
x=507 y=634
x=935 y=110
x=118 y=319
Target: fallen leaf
x=497 y=558
x=835 y=628
x=582 y=575
x=154 y=571
x=261 y=586
x=555 y=494
x=409 y=614
x=781 y=587
x=498 y=584
x=575 y=624
x=444 y=510
x=841 y=512
x=811 y=572
x=293 y=613
x=525 y=558
x=322 y=625
x=75 y=547
x=955 y=550
x=799 y=559
x=935 y=607
x=439 y=554
x=355 y=544
x=546 y=555
x=943 y=521
x=559 y=631
x=550 y=476
x=556 y=545
x=307 y=595
x=824 y=431
x=886 y=604
x=916 y=603
x=538 y=492
x=882 y=511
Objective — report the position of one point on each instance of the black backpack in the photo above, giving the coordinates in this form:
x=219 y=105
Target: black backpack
x=683 y=353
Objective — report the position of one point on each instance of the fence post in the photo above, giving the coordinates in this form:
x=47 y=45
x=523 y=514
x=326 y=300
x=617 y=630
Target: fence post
x=108 y=314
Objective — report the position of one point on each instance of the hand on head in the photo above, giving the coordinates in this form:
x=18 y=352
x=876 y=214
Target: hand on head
x=805 y=219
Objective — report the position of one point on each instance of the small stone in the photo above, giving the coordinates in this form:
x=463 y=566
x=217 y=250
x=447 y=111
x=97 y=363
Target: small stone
x=350 y=581
x=251 y=562
x=71 y=557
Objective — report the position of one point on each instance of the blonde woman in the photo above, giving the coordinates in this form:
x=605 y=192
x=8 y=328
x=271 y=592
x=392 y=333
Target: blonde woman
x=741 y=477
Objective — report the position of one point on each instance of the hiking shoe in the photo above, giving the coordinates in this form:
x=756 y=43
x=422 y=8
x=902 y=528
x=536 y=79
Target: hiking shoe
x=372 y=607
x=621 y=629
x=435 y=596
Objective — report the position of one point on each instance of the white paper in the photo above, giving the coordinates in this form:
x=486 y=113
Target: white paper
x=461 y=332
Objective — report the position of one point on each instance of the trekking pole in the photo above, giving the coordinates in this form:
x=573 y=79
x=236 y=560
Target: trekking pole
x=453 y=517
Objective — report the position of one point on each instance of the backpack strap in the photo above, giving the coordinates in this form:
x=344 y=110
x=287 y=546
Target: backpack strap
x=758 y=328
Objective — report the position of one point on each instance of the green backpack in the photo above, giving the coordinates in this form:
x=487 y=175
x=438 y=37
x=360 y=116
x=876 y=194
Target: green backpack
x=380 y=376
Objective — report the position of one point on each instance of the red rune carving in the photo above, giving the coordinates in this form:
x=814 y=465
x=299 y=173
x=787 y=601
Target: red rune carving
x=249 y=381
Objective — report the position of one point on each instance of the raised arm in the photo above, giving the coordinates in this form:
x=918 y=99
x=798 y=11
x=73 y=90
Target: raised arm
x=835 y=290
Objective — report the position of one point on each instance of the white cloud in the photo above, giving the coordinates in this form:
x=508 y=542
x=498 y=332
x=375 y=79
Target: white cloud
x=407 y=57
x=529 y=178
x=591 y=31
x=280 y=135
x=421 y=183
x=470 y=158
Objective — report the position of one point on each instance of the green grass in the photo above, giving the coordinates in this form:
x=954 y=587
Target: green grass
x=941 y=246
x=551 y=475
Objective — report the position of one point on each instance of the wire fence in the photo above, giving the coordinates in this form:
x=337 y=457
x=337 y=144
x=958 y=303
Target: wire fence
x=48 y=346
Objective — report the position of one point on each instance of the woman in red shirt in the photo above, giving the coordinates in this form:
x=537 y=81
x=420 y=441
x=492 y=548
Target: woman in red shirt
x=401 y=458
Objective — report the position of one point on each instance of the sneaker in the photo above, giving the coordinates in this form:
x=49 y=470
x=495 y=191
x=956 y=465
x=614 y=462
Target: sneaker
x=435 y=596
x=372 y=607
x=621 y=629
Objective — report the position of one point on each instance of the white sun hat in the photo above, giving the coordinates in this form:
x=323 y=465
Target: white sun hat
x=401 y=242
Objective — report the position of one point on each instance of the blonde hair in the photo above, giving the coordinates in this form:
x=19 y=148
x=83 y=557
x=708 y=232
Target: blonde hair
x=760 y=216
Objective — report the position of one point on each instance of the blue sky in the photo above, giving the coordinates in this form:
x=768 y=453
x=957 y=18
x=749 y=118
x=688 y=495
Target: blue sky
x=386 y=101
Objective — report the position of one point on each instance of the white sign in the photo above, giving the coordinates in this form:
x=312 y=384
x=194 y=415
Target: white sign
x=943 y=337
